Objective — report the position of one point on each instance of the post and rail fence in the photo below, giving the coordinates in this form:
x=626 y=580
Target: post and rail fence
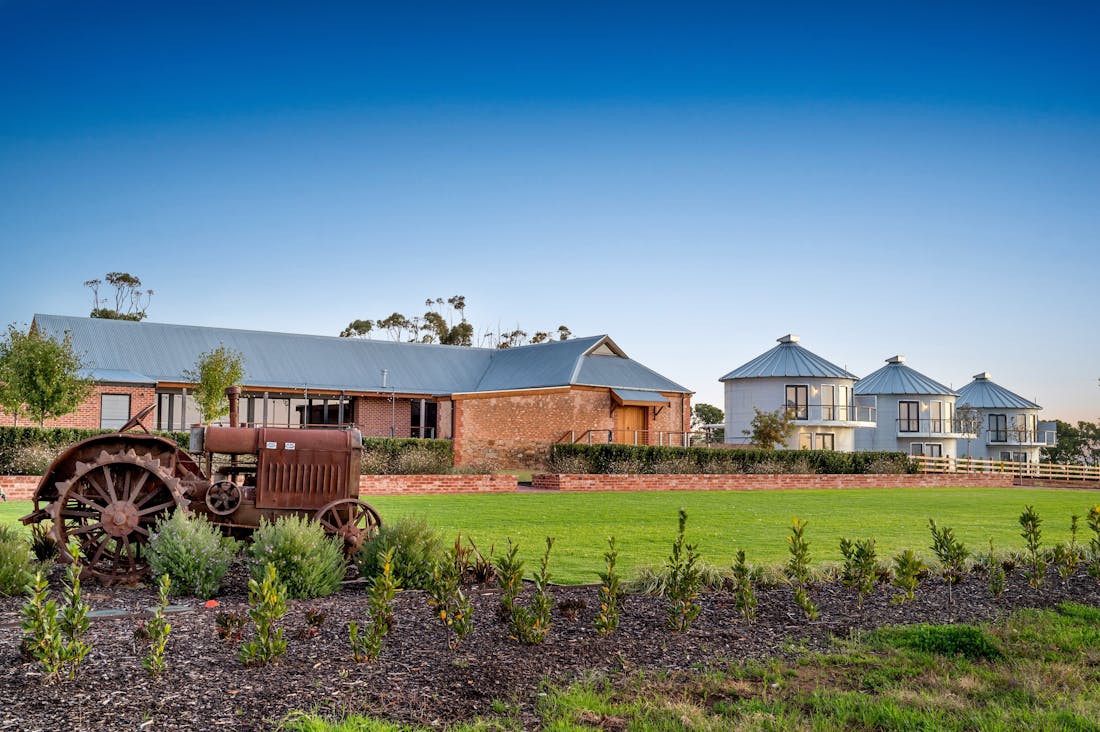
x=1037 y=471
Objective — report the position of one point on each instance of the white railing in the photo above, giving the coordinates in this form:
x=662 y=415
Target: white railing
x=831 y=412
x=1020 y=437
x=1044 y=471
x=924 y=426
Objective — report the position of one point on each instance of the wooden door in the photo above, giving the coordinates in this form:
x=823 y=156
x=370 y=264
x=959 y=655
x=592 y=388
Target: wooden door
x=630 y=425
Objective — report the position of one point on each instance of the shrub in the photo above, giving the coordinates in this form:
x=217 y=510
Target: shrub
x=42 y=544
x=951 y=553
x=995 y=571
x=192 y=552
x=530 y=625
x=158 y=629
x=684 y=581
x=308 y=562
x=509 y=571
x=266 y=605
x=1033 y=536
x=404 y=456
x=54 y=631
x=1068 y=556
x=17 y=563
x=742 y=586
x=860 y=566
x=417 y=549
x=610 y=592
x=366 y=646
x=446 y=597
x=30 y=450
x=798 y=568
x=908 y=568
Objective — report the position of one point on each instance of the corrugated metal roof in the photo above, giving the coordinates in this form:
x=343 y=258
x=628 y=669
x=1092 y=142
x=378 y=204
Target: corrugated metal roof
x=897 y=378
x=789 y=359
x=598 y=370
x=982 y=393
x=634 y=395
x=115 y=376
x=162 y=352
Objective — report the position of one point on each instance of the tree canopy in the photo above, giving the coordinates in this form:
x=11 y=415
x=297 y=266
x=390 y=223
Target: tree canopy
x=40 y=376
x=1075 y=445
x=130 y=301
x=444 y=321
x=214 y=372
x=770 y=429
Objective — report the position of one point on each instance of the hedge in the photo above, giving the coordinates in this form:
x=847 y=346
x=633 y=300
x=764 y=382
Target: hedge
x=406 y=455
x=17 y=444
x=610 y=458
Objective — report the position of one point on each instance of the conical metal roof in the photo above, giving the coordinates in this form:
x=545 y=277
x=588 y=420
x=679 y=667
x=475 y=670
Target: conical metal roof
x=897 y=378
x=984 y=394
x=789 y=359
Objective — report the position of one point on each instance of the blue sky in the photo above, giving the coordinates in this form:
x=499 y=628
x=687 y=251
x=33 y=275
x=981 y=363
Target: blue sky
x=694 y=180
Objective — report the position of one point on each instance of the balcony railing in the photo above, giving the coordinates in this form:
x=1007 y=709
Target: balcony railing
x=926 y=426
x=831 y=413
x=1020 y=437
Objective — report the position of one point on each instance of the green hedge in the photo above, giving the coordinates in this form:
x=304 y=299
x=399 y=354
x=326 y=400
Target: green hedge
x=406 y=456
x=609 y=458
x=29 y=450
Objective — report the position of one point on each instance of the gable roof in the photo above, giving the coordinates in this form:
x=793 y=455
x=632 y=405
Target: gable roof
x=983 y=393
x=789 y=359
x=897 y=378
x=161 y=352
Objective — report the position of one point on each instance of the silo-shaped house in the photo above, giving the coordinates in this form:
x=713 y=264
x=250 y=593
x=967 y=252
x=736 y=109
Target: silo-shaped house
x=916 y=414
x=1007 y=425
x=817 y=393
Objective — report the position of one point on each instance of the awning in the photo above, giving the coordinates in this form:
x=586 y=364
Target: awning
x=116 y=376
x=637 y=398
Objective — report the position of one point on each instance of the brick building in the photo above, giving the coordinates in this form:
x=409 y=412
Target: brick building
x=499 y=407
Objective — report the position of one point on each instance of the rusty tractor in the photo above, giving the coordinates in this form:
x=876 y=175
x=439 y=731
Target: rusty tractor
x=109 y=491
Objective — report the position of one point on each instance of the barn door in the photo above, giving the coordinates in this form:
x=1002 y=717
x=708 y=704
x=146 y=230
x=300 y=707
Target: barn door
x=630 y=425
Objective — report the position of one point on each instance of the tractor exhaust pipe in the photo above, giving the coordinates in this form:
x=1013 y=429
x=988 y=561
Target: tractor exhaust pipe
x=233 y=394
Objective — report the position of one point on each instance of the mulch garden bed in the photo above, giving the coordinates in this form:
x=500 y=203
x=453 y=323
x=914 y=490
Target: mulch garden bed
x=417 y=678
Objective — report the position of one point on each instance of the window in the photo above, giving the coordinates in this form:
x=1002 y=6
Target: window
x=423 y=418
x=1025 y=427
x=998 y=428
x=936 y=414
x=798 y=401
x=828 y=401
x=845 y=395
x=916 y=449
x=908 y=416
x=114 y=411
x=805 y=441
x=826 y=441
x=926 y=449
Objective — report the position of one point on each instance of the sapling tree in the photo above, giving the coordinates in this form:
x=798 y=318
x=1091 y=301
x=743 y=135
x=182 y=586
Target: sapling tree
x=1067 y=555
x=742 y=586
x=797 y=570
x=860 y=566
x=530 y=625
x=952 y=555
x=214 y=372
x=907 y=571
x=610 y=592
x=684 y=580
x=40 y=376
x=1033 y=537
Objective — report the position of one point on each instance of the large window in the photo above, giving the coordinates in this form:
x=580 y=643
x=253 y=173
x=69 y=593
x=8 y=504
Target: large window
x=826 y=441
x=845 y=395
x=998 y=428
x=798 y=401
x=176 y=412
x=422 y=418
x=828 y=401
x=936 y=414
x=908 y=416
x=114 y=411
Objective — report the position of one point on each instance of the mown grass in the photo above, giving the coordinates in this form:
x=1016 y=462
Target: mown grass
x=644 y=524
x=1045 y=676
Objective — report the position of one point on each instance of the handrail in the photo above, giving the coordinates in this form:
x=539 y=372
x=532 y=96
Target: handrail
x=831 y=412
x=934 y=426
x=1044 y=471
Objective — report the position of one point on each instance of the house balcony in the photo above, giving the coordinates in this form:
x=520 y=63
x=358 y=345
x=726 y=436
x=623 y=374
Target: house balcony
x=1022 y=438
x=822 y=415
x=932 y=427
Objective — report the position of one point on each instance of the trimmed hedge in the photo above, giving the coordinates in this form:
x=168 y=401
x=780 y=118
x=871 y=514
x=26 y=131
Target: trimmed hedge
x=406 y=456
x=21 y=448
x=607 y=458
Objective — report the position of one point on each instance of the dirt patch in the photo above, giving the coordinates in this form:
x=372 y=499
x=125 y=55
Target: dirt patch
x=417 y=679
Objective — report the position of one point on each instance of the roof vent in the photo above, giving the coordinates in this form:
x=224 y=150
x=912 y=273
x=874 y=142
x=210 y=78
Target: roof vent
x=896 y=359
x=789 y=338
x=983 y=376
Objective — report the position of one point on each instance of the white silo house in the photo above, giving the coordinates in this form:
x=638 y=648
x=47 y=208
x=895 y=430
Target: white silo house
x=1008 y=425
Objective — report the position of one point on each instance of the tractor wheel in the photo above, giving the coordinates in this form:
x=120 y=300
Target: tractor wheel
x=352 y=520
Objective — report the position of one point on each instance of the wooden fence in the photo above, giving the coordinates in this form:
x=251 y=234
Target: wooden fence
x=1038 y=471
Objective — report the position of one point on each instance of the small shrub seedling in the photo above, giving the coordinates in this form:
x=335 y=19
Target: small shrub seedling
x=266 y=605
x=952 y=555
x=54 y=633
x=996 y=571
x=742 y=586
x=1033 y=536
x=530 y=625
x=157 y=630
x=230 y=626
x=908 y=568
x=366 y=646
x=684 y=581
x=445 y=595
x=1067 y=556
x=610 y=592
x=797 y=570
x=509 y=570
x=860 y=566
x=1093 y=520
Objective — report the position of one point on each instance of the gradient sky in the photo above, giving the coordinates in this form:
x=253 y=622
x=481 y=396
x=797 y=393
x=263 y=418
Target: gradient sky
x=693 y=179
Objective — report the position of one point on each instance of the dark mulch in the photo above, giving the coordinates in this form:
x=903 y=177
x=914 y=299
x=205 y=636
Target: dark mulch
x=417 y=679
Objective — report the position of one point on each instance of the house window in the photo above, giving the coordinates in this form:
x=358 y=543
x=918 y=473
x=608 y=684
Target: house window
x=936 y=414
x=798 y=401
x=908 y=416
x=114 y=411
x=845 y=411
x=998 y=428
x=423 y=418
x=926 y=449
x=805 y=441
x=826 y=441
x=1025 y=427
x=828 y=401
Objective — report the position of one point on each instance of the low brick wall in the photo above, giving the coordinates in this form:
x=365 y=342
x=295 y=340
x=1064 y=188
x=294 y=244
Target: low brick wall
x=19 y=487
x=742 y=482
x=376 y=485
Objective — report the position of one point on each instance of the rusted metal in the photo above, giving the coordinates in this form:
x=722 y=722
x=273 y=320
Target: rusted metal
x=108 y=492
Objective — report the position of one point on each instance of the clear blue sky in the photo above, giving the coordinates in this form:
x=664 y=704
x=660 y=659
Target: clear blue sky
x=694 y=180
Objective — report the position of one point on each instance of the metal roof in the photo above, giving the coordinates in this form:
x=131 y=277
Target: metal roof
x=634 y=396
x=984 y=394
x=116 y=376
x=789 y=359
x=160 y=352
x=897 y=378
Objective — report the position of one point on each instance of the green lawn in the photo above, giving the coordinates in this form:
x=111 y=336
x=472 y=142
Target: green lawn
x=644 y=524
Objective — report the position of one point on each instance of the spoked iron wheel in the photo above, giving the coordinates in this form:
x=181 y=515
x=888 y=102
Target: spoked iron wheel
x=352 y=520
x=110 y=506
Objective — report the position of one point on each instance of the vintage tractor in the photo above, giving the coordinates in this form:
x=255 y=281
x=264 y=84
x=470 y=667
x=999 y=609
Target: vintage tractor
x=109 y=491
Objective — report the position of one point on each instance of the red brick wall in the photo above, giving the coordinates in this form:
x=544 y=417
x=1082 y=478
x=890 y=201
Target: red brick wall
x=375 y=415
x=515 y=430
x=19 y=487
x=429 y=484
x=87 y=414
x=742 y=482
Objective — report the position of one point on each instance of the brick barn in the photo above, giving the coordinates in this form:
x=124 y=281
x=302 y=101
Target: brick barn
x=499 y=407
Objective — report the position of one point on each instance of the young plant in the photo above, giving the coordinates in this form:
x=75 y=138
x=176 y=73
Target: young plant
x=1093 y=520
x=314 y=620
x=1033 y=535
x=684 y=581
x=42 y=629
x=157 y=630
x=74 y=615
x=610 y=593
x=230 y=626
x=366 y=646
x=742 y=586
x=996 y=572
x=1068 y=556
x=509 y=570
x=908 y=568
x=798 y=568
x=309 y=562
x=530 y=625
x=191 y=551
x=266 y=605
x=952 y=555
x=860 y=566
x=445 y=595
